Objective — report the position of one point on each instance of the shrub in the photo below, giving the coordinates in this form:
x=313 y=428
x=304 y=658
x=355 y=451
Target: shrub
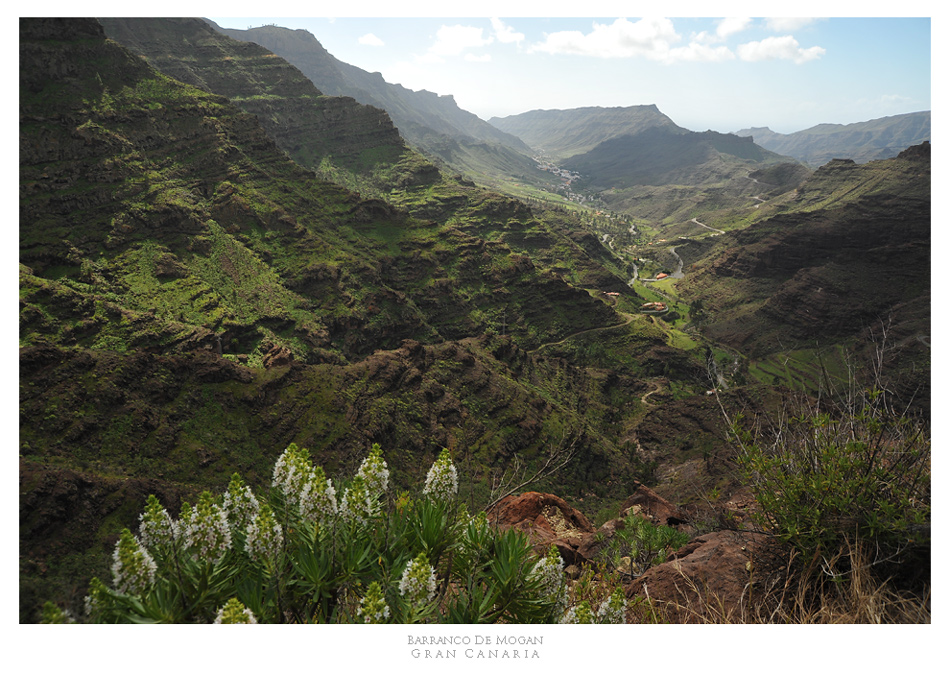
x=640 y=544
x=850 y=471
x=297 y=554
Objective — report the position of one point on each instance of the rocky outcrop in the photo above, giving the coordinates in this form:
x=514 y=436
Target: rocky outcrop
x=715 y=577
x=547 y=520
x=550 y=520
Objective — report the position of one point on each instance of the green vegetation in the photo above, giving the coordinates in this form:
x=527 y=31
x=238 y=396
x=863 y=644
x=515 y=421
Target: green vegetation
x=203 y=285
x=805 y=370
x=638 y=544
x=303 y=555
x=853 y=471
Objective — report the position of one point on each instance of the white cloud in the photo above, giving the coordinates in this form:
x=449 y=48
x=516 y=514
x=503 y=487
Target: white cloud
x=894 y=102
x=484 y=58
x=700 y=52
x=371 y=40
x=453 y=40
x=783 y=48
x=505 y=33
x=725 y=28
x=786 y=25
x=647 y=38
x=650 y=38
x=728 y=27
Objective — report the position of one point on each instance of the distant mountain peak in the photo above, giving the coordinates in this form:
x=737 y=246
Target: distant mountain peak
x=880 y=138
x=563 y=133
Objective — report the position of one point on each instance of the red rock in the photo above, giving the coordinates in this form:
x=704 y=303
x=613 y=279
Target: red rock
x=277 y=356
x=714 y=577
x=547 y=519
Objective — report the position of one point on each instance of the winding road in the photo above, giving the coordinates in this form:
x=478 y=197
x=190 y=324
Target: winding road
x=718 y=231
x=628 y=319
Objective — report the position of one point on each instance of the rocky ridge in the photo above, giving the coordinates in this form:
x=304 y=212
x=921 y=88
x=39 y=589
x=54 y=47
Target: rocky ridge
x=861 y=142
x=307 y=124
x=432 y=123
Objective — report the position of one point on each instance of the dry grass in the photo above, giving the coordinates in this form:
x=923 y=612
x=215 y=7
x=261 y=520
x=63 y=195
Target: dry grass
x=810 y=596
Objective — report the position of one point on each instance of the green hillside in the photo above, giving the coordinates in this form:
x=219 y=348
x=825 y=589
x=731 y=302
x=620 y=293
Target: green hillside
x=848 y=261
x=192 y=300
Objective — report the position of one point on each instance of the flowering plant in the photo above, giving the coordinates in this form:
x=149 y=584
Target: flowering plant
x=442 y=480
x=295 y=554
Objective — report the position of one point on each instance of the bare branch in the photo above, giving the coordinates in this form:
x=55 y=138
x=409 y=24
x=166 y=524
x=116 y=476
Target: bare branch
x=559 y=457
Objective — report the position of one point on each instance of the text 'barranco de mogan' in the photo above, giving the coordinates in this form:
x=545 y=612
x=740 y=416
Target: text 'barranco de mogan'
x=478 y=647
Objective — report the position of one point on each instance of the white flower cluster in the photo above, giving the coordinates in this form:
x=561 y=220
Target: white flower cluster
x=92 y=602
x=205 y=529
x=578 y=615
x=156 y=527
x=613 y=611
x=264 y=537
x=240 y=504
x=418 y=582
x=235 y=613
x=318 y=498
x=292 y=472
x=373 y=608
x=133 y=569
x=356 y=506
x=305 y=486
x=374 y=472
x=442 y=481
x=549 y=572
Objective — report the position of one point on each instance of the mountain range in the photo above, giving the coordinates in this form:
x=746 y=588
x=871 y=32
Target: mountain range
x=432 y=123
x=862 y=141
x=561 y=134
x=508 y=153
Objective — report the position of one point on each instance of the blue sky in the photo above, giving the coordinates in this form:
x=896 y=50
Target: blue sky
x=722 y=73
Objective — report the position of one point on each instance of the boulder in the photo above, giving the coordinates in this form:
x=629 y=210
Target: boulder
x=715 y=577
x=548 y=520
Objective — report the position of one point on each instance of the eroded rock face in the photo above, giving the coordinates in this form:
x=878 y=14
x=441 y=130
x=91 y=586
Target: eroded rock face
x=714 y=576
x=548 y=520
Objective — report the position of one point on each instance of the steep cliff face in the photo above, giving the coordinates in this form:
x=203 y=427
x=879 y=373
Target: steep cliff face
x=433 y=124
x=305 y=123
x=408 y=108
